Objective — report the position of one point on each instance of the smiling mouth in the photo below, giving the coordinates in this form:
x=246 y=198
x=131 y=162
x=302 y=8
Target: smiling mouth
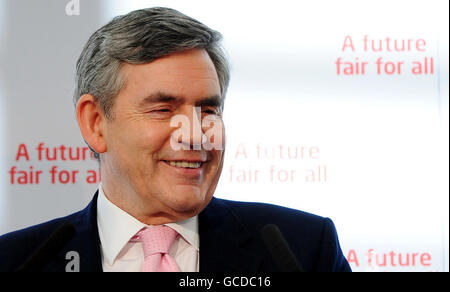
x=185 y=164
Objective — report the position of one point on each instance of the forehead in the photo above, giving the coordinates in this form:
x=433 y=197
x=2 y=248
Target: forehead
x=190 y=74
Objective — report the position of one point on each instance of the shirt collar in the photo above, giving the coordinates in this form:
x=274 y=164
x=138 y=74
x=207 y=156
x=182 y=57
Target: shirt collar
x=116 y=227
x=188 y=229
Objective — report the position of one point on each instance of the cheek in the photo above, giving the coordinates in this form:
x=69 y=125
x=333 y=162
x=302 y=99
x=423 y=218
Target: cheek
x=218 y=155
x=215 y=168
x=138 y=139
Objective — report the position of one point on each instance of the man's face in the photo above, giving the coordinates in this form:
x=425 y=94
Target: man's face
x=140 y=166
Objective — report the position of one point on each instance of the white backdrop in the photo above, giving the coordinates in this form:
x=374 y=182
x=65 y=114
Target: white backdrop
x=369 y=150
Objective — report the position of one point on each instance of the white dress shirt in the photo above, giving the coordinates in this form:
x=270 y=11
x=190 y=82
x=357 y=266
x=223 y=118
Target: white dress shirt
x=116 y=227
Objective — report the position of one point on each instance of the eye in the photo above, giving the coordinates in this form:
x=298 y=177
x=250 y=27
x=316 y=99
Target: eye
x=163 y=109
x=160 y=112
x=211 y=111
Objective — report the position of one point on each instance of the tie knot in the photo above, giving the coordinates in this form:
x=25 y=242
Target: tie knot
x=157 y=239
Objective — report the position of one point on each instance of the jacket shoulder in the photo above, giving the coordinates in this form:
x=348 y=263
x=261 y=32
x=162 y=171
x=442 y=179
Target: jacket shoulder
x=257 y=215
x=312 y=238
x=17 y=246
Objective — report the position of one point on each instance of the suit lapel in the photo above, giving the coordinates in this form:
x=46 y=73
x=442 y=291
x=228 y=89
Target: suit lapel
x=225 y=244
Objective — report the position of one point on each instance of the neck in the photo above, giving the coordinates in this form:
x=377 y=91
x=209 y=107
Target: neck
x=147 y=212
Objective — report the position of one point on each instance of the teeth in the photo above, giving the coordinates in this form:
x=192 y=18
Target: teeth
x=185 y=164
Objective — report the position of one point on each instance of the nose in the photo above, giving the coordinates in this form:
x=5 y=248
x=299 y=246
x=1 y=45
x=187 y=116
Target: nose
x=197 y=137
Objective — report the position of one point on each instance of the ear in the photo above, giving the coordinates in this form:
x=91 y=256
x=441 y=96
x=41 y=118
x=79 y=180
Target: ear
x=90 y=119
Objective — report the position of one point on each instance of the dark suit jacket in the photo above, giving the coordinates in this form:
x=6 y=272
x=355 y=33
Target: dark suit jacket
x=230 y=239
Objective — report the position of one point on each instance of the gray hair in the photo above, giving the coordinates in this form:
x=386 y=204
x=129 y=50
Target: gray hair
x=140 y=37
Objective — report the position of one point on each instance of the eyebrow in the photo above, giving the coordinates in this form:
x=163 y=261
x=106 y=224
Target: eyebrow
x=213 y=101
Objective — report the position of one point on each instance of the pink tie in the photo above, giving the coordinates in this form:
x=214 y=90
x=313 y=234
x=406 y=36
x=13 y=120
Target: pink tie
x=156 y=242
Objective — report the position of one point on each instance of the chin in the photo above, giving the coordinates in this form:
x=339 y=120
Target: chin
x=187 y=199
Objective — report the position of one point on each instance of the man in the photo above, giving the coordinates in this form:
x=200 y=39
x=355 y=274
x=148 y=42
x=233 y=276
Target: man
x=138 y=78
